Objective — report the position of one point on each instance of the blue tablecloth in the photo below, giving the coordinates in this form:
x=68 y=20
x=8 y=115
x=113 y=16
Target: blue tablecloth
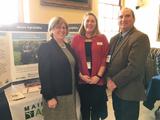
x=153 y=92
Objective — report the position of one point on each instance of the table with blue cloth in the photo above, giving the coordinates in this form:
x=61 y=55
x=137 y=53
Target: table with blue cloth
x=153 y=92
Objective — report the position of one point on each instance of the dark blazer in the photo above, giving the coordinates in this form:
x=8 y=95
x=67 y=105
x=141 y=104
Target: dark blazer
x=54 y=70
x=127 y=65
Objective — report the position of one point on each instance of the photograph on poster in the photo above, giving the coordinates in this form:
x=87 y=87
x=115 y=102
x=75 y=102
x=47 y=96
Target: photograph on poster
x=25 y=50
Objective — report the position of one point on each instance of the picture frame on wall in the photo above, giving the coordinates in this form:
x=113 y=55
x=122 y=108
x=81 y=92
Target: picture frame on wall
x=73 y=4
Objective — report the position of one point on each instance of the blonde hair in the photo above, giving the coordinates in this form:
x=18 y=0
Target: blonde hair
x=82 y=30
x=55 y=21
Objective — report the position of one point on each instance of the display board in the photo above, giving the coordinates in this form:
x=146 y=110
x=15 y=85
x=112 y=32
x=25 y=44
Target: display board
x=18 y=52
x=19 y=45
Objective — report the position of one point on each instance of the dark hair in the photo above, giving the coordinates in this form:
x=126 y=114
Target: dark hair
x=82 y=30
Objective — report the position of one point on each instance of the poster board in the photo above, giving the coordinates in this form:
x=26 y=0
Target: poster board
x=18 y=52
x=19 y=45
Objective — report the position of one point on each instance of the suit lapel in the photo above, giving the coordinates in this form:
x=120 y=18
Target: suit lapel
x=121 y=45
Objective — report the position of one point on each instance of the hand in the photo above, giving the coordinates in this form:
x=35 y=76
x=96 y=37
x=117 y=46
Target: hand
x=85 y=78
x=111 y=85
x=94 y=80
x=52 y=103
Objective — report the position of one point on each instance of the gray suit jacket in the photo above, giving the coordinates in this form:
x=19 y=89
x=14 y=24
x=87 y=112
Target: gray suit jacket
x=127 y=65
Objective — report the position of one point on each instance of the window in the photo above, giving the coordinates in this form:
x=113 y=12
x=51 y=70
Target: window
x=108 y=17
x=9 y=11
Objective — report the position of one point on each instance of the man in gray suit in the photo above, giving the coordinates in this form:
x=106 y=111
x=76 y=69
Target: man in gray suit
x=128 y=54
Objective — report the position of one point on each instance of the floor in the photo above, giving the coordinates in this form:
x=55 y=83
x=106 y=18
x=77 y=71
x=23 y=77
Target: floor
x=145 y=114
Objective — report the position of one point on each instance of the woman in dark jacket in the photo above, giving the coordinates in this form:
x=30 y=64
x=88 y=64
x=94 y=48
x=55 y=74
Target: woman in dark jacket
x=57 y=72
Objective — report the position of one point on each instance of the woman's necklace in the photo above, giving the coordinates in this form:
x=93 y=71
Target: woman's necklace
x=88 y=39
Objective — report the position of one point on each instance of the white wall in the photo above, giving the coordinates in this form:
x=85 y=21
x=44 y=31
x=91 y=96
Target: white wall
x=147 y=18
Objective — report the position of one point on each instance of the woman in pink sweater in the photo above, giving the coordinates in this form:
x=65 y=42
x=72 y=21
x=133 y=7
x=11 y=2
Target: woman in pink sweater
x=91 y=49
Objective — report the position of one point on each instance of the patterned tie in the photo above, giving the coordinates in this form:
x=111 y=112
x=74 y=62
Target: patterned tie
x=120 y=39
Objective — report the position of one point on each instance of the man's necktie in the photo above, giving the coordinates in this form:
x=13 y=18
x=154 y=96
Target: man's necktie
x=119 y=40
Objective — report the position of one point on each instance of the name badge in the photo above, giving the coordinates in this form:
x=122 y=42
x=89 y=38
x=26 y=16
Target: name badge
x=99 y=43
x=89 y=65
x=108 y=59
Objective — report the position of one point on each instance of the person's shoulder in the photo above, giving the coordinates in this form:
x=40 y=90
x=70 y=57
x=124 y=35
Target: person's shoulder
x=138 y=36
x=102 y=36
x=77 y=36
x=45 y=45
x=142 y=33
x=115 y=36
x=138 y=32
x=43 y=49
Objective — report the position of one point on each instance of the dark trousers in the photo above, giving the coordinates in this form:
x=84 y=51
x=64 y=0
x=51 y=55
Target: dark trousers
x=93 y=102
x=4 y=107
x=125 y=110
